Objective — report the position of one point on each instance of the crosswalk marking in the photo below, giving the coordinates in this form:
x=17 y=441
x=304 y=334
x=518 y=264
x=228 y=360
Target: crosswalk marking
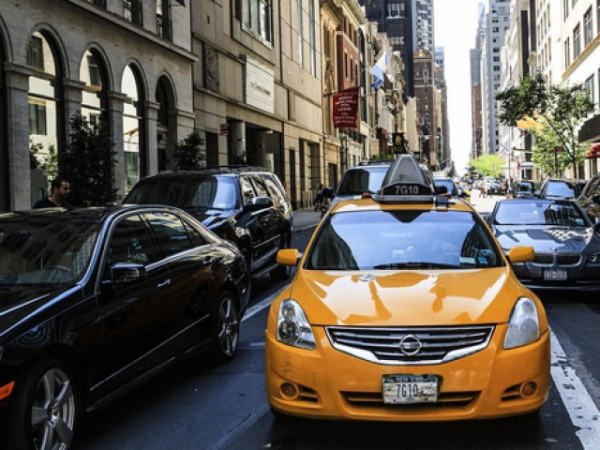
x=581 y=408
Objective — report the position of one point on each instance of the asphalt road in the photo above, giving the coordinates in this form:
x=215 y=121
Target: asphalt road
x=196 y=406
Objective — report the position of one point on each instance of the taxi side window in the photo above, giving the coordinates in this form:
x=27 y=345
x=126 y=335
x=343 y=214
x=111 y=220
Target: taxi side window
x=247 y=189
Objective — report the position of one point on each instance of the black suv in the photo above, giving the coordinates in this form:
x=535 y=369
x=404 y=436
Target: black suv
x=245 y=205
x=589 y=199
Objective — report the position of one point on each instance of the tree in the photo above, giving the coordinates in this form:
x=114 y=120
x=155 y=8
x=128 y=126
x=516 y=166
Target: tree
x=88 y=163
x=188 y=153
x=559 y=111
x=488 y=165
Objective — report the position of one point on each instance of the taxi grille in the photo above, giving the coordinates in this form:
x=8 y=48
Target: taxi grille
x=431 y=345
x=444 y=400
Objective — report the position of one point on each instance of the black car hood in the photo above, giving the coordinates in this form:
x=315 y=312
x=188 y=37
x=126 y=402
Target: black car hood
x=17 y=303
x=544 y=238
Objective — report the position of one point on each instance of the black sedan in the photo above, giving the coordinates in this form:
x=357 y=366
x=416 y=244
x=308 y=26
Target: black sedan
x=566 y=243
x=94 y=301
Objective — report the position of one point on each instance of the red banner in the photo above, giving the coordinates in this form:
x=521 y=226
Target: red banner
x=345 y=108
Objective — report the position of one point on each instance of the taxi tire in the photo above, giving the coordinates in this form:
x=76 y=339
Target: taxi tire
x=280 y=417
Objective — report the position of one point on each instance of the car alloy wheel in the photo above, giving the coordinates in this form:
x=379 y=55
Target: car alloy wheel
x=227 y=332
x=45 y=410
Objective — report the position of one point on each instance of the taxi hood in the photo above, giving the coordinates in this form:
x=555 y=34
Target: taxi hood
x=407 y=298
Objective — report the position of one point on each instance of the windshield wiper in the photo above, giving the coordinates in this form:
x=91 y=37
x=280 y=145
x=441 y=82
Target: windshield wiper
x=416 y=265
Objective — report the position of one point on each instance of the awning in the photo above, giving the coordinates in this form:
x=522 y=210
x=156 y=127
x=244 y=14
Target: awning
x=526 y=165
x=593 y=151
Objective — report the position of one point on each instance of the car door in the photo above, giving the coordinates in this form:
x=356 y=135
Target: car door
x=135 y=314
x=190 y=258
x=270 y=219
x=257 y=222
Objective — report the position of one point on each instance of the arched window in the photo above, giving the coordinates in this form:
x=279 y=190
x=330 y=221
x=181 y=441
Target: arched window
x=94 y=98
x=45 y=124
x=133 y=123
x=164 y=97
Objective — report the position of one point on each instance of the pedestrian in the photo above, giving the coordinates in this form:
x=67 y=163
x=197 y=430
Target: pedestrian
x=319 y=198
x=60 y=189
x=482 y=190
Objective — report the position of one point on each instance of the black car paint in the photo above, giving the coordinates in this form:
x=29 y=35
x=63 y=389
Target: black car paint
x=113 y=337
x=257 y=228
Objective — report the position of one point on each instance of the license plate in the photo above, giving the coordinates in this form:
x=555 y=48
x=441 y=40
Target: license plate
x=410 y=388
x=555 y=274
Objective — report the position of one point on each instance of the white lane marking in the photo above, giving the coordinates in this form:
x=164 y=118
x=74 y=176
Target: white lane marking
x=580 y=406
x=254 y=309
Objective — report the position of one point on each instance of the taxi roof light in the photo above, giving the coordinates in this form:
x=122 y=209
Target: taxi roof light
x=406 y=182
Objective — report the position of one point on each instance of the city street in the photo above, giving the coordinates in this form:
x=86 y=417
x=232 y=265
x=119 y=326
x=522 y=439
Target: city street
x=195 y=406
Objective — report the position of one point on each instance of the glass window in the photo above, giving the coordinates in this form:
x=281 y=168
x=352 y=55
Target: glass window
x=576 y=41
x=587 y=26
x=130 y=242
x=256 y=18
x=247 y=189
x=300 y=32
x=94 y=98
x=589 y=87
x=45 y=251
x=407 y=239
x=538 y=213
x=567 y=53
x=170 y=232
x=132 y=124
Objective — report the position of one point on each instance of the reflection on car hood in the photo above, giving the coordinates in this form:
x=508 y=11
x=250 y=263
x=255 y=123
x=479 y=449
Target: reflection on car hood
x=16 y=303
x=211 y=217
x=545 y=238
x=407 y=298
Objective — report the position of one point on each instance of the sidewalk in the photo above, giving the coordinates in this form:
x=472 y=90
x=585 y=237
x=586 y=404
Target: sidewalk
x=306 y=218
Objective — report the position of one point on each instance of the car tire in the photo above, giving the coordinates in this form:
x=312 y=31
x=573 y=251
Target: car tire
x=281 y=272
x=48 y=396
x=226 y=329
x=280 y=417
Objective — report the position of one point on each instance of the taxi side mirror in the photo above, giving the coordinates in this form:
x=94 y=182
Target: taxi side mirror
x=288 y=257
x=521 y=254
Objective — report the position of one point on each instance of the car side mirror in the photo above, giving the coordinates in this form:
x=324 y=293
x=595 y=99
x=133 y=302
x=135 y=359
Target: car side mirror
x=258 y=203
x=288 y=257
x=125 y=273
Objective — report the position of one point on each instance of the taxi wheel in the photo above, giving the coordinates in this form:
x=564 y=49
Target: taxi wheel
x=279 y=416
x=45 y=409
x=226 y=329
x=282 y=273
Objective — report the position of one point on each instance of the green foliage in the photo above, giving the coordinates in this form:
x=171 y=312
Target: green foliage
x=88 y=163
x=488 y=165
x=34 y=149
x=50 y=163
x=188 y=154
x=559 y=109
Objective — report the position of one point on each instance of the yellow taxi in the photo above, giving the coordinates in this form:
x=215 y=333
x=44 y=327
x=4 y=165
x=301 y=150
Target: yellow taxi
x=404 y=308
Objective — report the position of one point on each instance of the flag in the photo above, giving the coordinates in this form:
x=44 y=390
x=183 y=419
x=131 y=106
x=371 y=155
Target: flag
x=378 y=70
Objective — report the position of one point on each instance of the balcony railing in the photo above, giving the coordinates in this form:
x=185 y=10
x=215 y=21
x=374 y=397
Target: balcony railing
x=164 y=27
x=132 y=11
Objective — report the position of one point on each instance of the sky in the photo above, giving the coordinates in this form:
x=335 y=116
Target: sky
x=455 y=23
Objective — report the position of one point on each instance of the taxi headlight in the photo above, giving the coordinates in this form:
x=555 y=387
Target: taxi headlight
x=524 y=325
x=293 y=327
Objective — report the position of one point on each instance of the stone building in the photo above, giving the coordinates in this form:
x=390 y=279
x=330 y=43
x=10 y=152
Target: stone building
x=130 y=61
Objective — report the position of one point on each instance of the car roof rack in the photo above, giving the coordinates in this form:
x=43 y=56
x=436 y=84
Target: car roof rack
x=405 y=182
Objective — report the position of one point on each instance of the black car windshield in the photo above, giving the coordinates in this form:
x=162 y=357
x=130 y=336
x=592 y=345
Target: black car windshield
x=563 y=189
x=396 y=240
x=206 y=192
x=538 y=212
x=45 y=250
x=358 y=181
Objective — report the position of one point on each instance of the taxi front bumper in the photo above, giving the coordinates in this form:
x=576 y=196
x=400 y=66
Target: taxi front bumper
x=328 y=384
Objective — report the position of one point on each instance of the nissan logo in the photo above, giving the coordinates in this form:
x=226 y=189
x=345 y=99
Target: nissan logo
x=410 y=345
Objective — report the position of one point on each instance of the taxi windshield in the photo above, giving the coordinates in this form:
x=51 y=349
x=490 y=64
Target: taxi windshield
x=396 y=240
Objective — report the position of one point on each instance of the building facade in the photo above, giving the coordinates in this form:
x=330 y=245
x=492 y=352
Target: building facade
x=127 y=62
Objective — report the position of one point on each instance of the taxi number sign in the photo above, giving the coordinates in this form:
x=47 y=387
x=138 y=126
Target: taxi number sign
x=406 y=189
x=410 y=389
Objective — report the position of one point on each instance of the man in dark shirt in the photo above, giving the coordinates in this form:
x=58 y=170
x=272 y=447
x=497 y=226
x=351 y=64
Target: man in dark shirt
x=60 y=190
